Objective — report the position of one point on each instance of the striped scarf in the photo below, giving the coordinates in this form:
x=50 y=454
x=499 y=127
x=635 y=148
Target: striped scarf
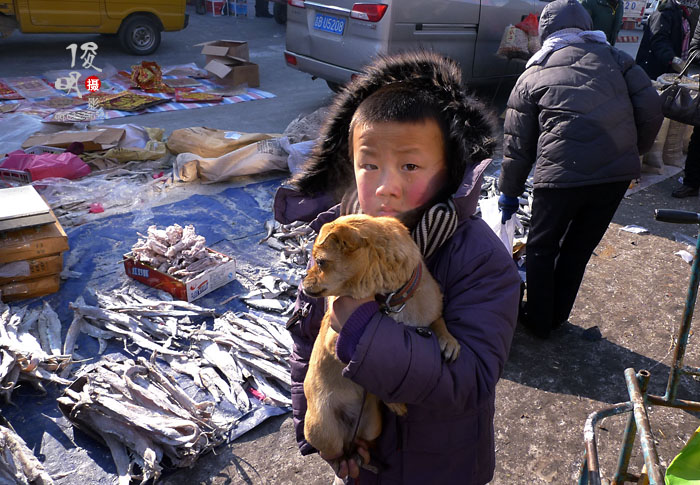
x=435 y=226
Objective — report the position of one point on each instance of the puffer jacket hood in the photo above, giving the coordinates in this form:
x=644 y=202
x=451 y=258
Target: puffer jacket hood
x=471 y=123
x=563 y=14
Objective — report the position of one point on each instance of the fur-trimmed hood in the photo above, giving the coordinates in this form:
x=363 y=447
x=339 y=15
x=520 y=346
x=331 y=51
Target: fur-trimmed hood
x=471 y=123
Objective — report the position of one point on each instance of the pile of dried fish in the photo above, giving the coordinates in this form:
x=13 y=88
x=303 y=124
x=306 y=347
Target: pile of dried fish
x=28 y=353
x=273 y=294
x=152 y=325
x=17 y=462
x=143 y=416
x=240 y=350
x=178 y=251
x=294 y=241
x=244 y=349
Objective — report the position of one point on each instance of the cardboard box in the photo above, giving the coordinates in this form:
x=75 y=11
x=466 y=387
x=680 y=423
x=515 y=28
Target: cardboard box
x=31 y=268
x=95 y=139
x=30 y=288
x=206 y=283
x=33 y=242
x=234 y=71
x=226 y=48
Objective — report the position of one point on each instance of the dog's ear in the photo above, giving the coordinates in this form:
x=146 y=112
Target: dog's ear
x=346 y=238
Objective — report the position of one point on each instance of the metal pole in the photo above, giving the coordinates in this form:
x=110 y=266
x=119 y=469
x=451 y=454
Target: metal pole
x=621 y=475
x=684 y=330
x=589 y=473
x=646 y=438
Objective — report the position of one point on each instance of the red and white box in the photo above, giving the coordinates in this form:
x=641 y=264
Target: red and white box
x=205 y=283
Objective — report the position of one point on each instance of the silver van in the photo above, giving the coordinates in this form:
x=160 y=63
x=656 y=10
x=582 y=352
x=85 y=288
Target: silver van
x=333 y=39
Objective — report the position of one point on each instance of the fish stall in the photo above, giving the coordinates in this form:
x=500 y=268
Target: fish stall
x=111 y=380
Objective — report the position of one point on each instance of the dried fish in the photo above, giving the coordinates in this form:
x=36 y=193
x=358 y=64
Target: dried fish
x=17 y=462
x=225 y=362
x=177 y=251
x=25 y=356
x=268 y=304
x=50 y=330
x=143 y=417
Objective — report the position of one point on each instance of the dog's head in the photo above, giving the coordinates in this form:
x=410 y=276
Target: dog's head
x=338 y=259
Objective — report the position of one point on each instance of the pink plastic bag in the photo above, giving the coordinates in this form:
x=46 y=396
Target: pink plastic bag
x=63 y=165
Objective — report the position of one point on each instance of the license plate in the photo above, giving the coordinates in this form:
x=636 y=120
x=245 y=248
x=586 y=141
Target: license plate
x=327 y=23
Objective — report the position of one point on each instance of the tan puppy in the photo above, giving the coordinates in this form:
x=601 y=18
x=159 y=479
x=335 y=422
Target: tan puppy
x=362 y=256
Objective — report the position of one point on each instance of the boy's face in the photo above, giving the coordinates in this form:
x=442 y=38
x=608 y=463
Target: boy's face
x=398 y=166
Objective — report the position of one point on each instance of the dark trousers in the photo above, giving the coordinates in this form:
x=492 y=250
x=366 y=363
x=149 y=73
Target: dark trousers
x=692 y=161
x=566 y=226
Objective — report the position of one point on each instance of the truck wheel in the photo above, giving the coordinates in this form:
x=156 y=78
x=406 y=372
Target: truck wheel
x=335 y=87
x=140 y=35
x=279 y=11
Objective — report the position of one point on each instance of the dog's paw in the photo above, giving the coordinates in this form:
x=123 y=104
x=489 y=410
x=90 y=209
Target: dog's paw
x=397 y=408
x=449 y=347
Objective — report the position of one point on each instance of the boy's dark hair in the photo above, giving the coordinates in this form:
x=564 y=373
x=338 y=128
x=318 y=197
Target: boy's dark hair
x=467 y=124
x=397 y=102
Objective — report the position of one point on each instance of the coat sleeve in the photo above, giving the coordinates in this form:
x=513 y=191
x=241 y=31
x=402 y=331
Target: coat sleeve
x=307 y=317
x=646 y=102
x=520 y=134
x=403 y=364
x=660 y=28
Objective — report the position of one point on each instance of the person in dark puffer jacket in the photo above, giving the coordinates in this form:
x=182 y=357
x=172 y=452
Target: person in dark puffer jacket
x=691 y=172
x=581 y=113
x=666 y=37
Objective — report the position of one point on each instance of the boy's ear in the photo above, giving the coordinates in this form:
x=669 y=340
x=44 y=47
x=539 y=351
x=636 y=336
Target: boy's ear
x=346 y=238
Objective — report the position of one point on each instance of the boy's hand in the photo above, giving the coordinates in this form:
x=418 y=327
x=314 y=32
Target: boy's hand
x=508 y=206
x=341 y=309
x=344 y=467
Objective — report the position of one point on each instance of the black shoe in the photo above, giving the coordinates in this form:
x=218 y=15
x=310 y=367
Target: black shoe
x=265 y=15
x=684 y=191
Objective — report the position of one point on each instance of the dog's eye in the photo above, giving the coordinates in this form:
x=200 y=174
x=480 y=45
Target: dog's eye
x=321 y=263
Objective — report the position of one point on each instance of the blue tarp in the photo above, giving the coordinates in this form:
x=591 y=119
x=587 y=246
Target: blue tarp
x=232 y=222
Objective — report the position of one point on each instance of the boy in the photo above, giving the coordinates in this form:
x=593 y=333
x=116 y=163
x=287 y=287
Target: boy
x=405 y=140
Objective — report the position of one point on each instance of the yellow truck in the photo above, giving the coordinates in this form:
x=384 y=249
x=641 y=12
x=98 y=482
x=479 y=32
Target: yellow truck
x=138 y=24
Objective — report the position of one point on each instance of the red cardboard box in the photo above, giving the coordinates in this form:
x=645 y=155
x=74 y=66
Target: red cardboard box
x=205 y=283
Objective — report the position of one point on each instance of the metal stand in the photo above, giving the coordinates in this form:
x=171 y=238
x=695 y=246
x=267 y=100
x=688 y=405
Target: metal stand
x=638 y=421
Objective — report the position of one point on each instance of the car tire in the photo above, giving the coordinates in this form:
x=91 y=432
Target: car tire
x=140 y=35
x=279 y=11
x=335 y=87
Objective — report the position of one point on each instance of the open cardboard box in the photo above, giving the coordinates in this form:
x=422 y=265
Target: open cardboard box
x=226 y=48
x=205 y=283
x=228 y=62
x=234 y=71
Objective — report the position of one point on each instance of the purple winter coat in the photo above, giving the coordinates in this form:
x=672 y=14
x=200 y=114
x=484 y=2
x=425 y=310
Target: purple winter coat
x=447 y=435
